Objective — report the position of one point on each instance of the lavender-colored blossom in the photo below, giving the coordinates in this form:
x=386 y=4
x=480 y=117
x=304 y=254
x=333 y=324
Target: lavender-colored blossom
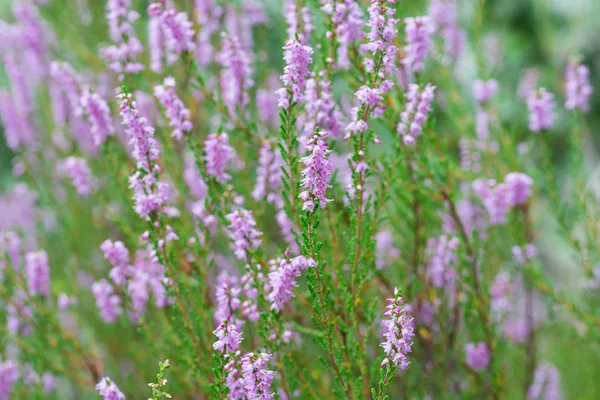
x=34 y=33
x=297 y=59
x=19 y=315
x=118 y=255
x=266 y=101
x=283 y=280
x=268 y=174
x=18 y=130
x=218 y=153
x=107 y=301
x=478 y=355
x=484 y=90
x=80 y=174
x=444 y=14
x=177 y=27
x=546 y=383
x=415 y=114
x=528 y=82
x=320 y=110
x=442 y=255
x=49 y=382
x=178 y=114
x=228 y=337
x=347 y=19
x=501 y=292
x=386 y=251
x=235 y=383
x=156 y=44
x=108 y=390
x=418 y=41
x=287 y=229
x=37 y=272
x=145 y=277
x=399 y=331
x=499 y=198
x=64 y=301
x=9 y=374
x=121 y=56
x=382 y=33
x=541 y=110
x=194 y=179
x=299 y=22
x=257 y=378
x=98 y=114
x=577 y=86
x=317 y=174
x=523 y=254
x=227 y=294
x=236 y=76
x=242 y=232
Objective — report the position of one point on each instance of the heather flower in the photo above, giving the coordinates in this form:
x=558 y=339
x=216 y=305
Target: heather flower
x=177 y=27
x=528 y=82
x=320 y=110
x=178 y=114
x=37 y=272
x=117 y=254
x=541 y=110
x=107 y=301
x=317 y=174
x=18 y=131
x=478 y=356
x=80 y=174
x=121 y=56
x=33 y=31
x=257 y=378
x=399 y=331
x=415 y=114
x=64 y=301
x=98 y=114
x=266 y=101
x=297 y=59
x=418 y=41
x=147 y=276
x=236 y=76
x=108 y=390
x=444 y=14
x=10 y=245
x=484 y=90
x=283 y=280
x=381 y=36
x=156 y=44
x=297 y=19
x=546 y=383
x=235 y=383
x=268 y=174
x=347 y=19
x=501 y=291
x=218 y=153
x=49 y=382
x=194 y=179
x=242 y=232
x=19 y=315
x=287 y=229
x=577 y=86
x=522 y=254
x=442 y=255
x=9 y=374
x=227 y=295
x=499 y=198
x=228 y=337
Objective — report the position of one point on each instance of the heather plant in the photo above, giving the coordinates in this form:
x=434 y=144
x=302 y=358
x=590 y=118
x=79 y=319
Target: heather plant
x=312 y=199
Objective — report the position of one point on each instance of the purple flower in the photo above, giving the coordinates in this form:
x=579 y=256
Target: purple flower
x=528 y=83
x=108 y=390
x=577 y=86
x=218 y=153
x=107 y=301
x=297 y=59
x=418 y=41
x=49 y=382
x=317 y=174
x=178 y=114
x=347 y=19
x=387 y=252
x=257 y=377
x=442 y=254
x=242 y=232
x=177 y=27
x=18 y=130
x=283 y=280
x=64 y=301
x=541 y=110
x=444 y=14
x=546 y=383
x=19 y=315
x=236 y=76
x=498 y=198
x=478 y=356
x=121 y=56
x=80 y=174
x=268 y=174
x=227 y=294
x=98 y=114
x=399 y=332
x=117 y=254
x=296 y=19
x=501 y=291
x=521 y=187
x=194 y=179
x=228 y=337
x=9 y=374
x=320 y=109
x=381 y=36
x=522 y=254
x=484 y=90
x=37 y=272
x=415 y=114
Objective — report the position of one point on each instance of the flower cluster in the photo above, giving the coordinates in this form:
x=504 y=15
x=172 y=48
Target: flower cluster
x=178 y=114
x=108 y=390
x=577 y=86
x=257 y=378
x=283 y=280
x=177 y=28
x=242 y=232
x=418 y=41
x=297 y=59
x=347 y=19
x=228 y=337
x=478 y=355
x=236 y=76
x=399 y=332
x=541 y=110
x=80 y=174
x=382 y=25
x=317 y=174
x=218 y=153
x=37 y=271
x=121 y=56
x=415 y=113
x=442 y=254
x=498 y=198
